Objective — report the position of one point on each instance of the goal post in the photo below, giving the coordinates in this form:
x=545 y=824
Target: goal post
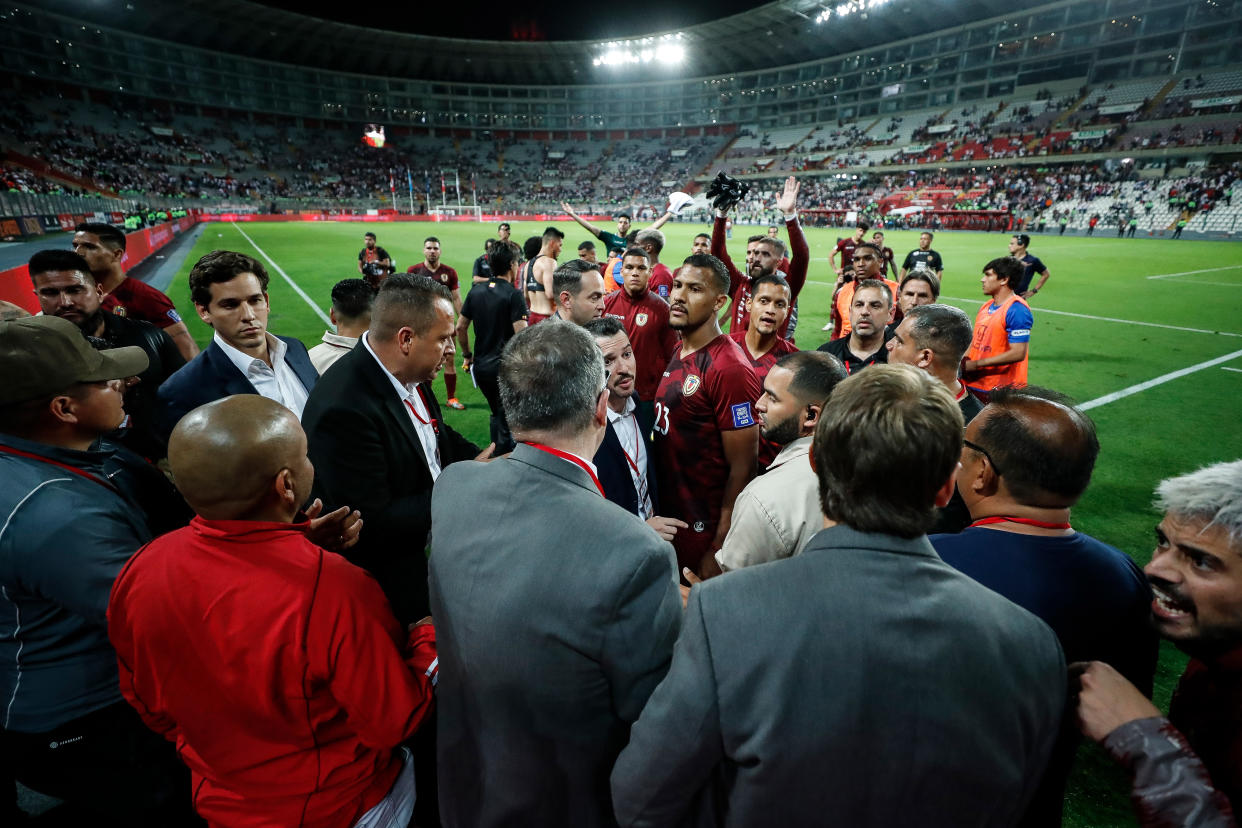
x=456 y=212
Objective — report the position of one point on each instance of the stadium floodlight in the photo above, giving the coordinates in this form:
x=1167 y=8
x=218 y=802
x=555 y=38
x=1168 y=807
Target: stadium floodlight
x=847 y=8
x=665 y=49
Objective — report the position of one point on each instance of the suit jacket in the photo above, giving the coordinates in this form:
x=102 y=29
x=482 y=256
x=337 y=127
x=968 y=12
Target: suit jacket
x=367 y=456
x=614 y=470
x=864 y=683
x=212 y=376
x=556 y=614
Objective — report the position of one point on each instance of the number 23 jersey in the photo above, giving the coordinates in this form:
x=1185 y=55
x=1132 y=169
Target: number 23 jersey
x=701 y=395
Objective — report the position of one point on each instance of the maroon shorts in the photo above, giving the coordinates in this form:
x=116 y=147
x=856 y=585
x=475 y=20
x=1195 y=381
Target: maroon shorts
x=533 y=318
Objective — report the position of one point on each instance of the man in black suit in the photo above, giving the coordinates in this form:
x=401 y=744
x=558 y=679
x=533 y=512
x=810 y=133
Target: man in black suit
x=377 y=439
x=229 y=291
x=624 y=460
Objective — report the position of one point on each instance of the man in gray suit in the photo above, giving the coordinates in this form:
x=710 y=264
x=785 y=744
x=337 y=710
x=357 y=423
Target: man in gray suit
x=556 y=610
x=863 y=682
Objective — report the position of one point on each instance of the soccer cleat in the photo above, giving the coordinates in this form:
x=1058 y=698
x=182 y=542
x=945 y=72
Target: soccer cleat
x=455 y=404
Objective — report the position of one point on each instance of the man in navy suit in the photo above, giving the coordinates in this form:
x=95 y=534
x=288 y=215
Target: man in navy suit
x=624 y=460
x=229 y=291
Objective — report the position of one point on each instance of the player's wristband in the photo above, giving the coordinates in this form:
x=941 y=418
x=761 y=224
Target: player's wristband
x=1034 y=290
x=791 y=216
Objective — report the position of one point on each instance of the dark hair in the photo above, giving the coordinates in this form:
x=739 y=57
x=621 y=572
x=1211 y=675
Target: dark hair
x=753 y=239
x=431 y=239
x=503 y=224
x=928 y=233
x=550 y=233
x=815 y=374
x=352 y=298
x=1022 y=239
x=1039 y=466
x=551 y=376
x=45 y=261
x=879 y=285
x=869 y=246
x=220 y=266
x=1007 y=268
x=707 y=236
x=368 y=235
x=604 y=326
x=942 y=328
x=587 y=245
x=502 y=257
x=532 y=246
x=922 y=276
x=635 y=251
x=487 y=245
x=864 y=226
x=569 y=277
x=406 y=300
x=886 y=443
x=770 y=279
x=707 y=261
x=622 y=216
x=109 y=235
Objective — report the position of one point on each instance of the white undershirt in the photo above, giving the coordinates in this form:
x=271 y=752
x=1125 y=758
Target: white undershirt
x=409 y=394
x=277 y=381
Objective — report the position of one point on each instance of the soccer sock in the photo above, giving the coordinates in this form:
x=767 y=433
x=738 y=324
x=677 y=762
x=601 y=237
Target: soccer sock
x=450 y=385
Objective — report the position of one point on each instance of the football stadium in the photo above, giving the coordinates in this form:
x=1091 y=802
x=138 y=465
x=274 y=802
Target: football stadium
x=317 y=258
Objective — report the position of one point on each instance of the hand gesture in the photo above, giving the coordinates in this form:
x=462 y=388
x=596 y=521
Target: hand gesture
x=335 y=531
x=1106 y=700
x=569 y=211
x=487 y=454
x=666 y=527
x=787 y=201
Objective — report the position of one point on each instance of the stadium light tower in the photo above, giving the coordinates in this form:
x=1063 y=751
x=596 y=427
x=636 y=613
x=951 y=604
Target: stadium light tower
x=664 y=49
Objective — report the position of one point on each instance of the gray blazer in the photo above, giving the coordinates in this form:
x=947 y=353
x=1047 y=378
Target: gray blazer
x=556 y=612
x=863 y=682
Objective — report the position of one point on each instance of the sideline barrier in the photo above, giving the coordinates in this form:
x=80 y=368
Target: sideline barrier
x=315 y=216
x=15 y=282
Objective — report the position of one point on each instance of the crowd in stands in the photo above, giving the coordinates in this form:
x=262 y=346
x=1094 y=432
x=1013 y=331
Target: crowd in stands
x=261 y=572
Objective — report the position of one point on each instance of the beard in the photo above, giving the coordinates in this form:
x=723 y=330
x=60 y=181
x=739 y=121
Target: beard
x=784 y=432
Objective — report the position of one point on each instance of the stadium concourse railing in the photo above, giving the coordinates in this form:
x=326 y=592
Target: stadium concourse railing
x=139 y=246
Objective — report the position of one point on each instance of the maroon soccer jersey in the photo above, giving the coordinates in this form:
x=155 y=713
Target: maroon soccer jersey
x=767 y=449
x=701 y=395
x=661 y=281
x=739 y=282
x=443 y=274
x=136 y=299
x=646 y=324
x=846 y=248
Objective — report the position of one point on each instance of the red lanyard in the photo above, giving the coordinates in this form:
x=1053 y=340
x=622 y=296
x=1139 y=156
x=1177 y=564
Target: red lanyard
x=72 y=470
x=628 y=459
x=1042 y=524
x=432 y=421
x=564 y=455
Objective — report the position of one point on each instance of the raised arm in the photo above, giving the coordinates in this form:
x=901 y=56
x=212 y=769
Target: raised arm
x=799 y=251
x=586 y=225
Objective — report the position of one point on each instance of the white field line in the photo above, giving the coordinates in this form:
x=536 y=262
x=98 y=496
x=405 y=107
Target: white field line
x=1160 y=380
x=1192 y=272
x=280 y=270
x=1227 y=368
x=1039 y=310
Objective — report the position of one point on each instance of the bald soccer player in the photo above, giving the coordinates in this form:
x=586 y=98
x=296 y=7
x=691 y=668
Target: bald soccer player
x=276 y=667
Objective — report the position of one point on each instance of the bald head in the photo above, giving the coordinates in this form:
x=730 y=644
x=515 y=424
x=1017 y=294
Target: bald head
x=1043 y=445
x=241 y=458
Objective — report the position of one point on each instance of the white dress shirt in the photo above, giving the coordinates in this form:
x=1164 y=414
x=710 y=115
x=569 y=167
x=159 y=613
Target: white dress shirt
x=276 y=381
x=626 y=427
x=414 y=406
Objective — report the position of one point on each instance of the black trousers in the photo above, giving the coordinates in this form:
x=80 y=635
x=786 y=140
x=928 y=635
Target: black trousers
x=106 y=764
x=498 y=426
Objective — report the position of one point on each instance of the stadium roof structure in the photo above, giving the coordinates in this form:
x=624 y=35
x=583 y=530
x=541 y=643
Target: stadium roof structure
x=779 y=33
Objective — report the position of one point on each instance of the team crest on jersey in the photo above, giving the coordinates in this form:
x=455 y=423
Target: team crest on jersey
x=691 y=385
x=640 y=319
x=699 y=526
x=119 y=310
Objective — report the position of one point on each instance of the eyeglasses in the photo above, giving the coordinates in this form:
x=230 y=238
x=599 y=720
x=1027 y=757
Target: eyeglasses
x=984 y=452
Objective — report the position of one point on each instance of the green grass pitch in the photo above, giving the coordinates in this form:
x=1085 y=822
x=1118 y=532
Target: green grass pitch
x=1191 y=317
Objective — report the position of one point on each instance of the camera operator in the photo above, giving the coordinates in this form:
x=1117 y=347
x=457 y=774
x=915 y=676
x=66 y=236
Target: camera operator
x=374 y=263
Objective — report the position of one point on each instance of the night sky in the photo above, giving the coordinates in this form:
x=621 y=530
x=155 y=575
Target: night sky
x=523 y=19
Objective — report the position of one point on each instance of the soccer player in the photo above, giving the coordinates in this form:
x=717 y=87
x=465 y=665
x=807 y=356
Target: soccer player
x=103 y=247
x=924 y=258
x=482 y=271
x=890 y=263
x=661 y=281
x=871 y=306
x=763 y=254
x=438 y=271
x=502 y=231
x=374 y=263
x=762 y=343
x=702 y=244
x=538 y=275
x=999 y=352
x=706 y=437
x=586 y=252
x=645 y=318
x=1030 y=266
x=846 y=248
x=616 y=243
x=868 y=264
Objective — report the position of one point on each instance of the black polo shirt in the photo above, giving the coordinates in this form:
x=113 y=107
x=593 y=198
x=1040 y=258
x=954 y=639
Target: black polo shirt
x=492 y=307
